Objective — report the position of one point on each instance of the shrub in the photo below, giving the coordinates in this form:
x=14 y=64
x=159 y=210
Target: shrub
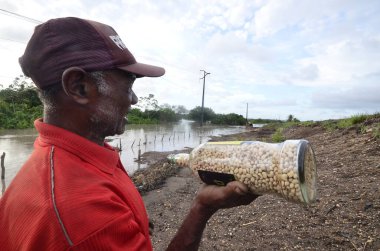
x=356 y=119
x=278 y=136
x=376 y=131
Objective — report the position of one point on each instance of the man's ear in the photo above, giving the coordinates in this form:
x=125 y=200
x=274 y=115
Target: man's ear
x=77 y=85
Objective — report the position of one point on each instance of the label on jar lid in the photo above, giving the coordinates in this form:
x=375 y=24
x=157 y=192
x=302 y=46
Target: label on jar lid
x=215 y=178
x=225 y=143
x=232 y=143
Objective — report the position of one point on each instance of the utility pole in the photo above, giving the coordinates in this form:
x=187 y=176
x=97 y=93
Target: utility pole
x=203 y=95
x=246 y=115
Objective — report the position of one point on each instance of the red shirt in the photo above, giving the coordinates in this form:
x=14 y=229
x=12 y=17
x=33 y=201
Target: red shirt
x=72 y=194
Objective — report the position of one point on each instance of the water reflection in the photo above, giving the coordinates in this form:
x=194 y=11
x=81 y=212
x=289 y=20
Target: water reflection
x=162 y=138
x=3 y=186
x=18 y=144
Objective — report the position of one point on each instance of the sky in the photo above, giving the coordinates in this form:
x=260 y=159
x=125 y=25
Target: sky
x=316 y=60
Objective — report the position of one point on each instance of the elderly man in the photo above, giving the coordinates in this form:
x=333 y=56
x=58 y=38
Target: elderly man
x=73 y=192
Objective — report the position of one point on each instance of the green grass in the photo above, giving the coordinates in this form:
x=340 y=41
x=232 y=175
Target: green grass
x=329 y=125
x=309 y=123
x=376 y=131
x=360 y=118
x=354 y=120
x=363 y=129
x=278 y=136
x=344 y=123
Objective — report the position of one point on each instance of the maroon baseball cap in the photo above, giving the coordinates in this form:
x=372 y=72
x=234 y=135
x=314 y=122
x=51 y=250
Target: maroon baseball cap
x=66 y=42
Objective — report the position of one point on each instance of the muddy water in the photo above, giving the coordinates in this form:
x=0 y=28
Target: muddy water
x=18 y=144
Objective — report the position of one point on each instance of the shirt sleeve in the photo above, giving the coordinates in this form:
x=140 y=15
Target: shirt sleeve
x=122 y=233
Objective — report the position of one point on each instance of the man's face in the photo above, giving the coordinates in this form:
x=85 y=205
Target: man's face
x=114 y=102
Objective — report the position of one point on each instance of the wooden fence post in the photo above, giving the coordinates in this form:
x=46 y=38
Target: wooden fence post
x=2 y=166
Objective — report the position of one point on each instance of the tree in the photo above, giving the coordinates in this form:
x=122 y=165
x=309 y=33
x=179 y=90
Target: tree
x=229 y=119
x=196 y=114
x=19 y=104
x=148 y=103
x=166 y=106
x=180 y=109
x=167 y=115
x=290 y=118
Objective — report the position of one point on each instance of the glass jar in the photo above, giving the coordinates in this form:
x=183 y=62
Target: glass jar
x=287 y=169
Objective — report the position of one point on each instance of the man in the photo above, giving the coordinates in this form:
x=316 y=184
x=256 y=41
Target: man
x=73 y=192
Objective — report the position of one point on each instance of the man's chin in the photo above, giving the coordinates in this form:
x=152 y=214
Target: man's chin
x=121 y=128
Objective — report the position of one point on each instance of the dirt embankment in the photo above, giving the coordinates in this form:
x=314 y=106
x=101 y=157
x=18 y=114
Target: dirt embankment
x=346 y=215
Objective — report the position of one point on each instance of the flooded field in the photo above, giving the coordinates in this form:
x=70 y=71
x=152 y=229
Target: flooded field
x=18 y=144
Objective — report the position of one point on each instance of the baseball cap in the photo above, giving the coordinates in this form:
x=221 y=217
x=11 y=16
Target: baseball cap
x=67 y=42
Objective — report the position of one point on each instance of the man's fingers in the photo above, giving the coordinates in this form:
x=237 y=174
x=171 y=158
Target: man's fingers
x=238 y=187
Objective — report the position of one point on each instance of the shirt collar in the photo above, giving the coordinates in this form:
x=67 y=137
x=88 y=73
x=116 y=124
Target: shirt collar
x=104 y=157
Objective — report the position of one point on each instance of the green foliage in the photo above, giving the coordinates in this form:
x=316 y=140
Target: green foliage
x=348 y=122
x=263 y=121
x=228 y=119
x=218 y=119
x=376 y=131
x=329 y=125
x=167 y=115
x=136 y=116
x=291 y=118
x=19 y=105
x=307 y=123
x=344 y=123
x=278 y=136
x=196 y=114
x=363 y=129
x=180 y=109
x=150 y=112
x=357 y=119
x=148 y=103
x=290 y=124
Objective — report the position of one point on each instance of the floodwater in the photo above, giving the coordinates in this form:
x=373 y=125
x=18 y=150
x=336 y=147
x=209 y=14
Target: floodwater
x=18 y=144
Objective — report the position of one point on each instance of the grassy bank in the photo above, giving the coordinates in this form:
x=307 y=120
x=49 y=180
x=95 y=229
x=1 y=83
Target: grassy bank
x=363 y=123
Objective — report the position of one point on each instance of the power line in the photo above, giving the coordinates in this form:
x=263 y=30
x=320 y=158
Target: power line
x=25 y=18
x=12 y=40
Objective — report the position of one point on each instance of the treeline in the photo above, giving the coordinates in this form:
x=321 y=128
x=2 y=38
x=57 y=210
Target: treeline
x=264 y=121
x=161 y=115
x=20 y=106
x=214 y=118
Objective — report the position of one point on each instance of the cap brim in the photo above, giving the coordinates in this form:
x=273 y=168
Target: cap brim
x=143 y=70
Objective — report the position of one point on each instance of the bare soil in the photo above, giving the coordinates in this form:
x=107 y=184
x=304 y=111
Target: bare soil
x=346 y=215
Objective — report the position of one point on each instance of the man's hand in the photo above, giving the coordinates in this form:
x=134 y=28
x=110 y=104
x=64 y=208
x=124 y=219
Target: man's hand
x=211 y=198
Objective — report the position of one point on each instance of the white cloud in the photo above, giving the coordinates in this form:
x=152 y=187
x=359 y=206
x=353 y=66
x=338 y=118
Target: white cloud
x=357 y=94
x=306 y=58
